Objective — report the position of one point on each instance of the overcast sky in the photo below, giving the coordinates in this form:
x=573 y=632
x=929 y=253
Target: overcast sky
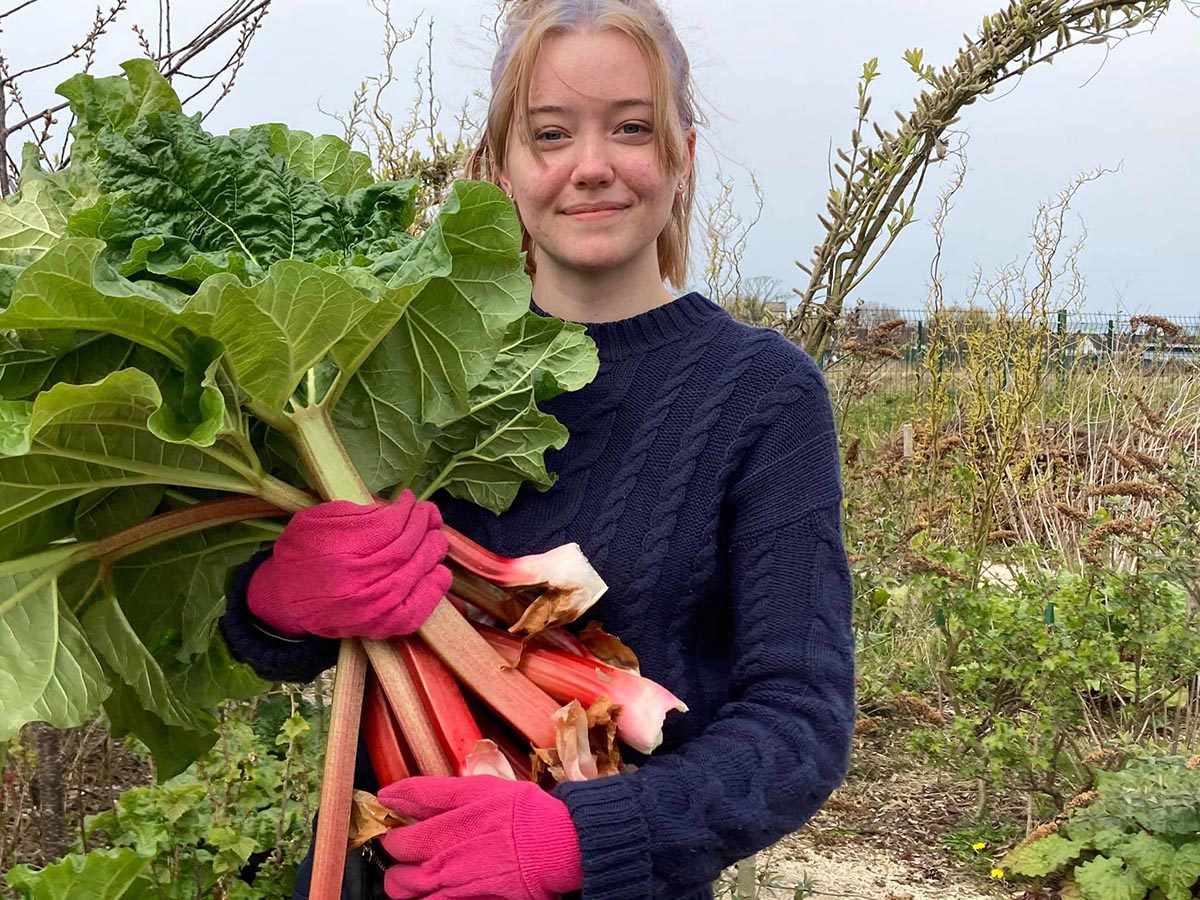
x=778 y=80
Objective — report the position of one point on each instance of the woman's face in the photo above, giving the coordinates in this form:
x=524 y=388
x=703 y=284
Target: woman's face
x=599 y=198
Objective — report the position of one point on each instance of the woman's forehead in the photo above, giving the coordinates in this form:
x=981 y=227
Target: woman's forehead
x=599 y=70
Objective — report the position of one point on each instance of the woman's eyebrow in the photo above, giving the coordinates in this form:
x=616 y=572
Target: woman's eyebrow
x=615 y=104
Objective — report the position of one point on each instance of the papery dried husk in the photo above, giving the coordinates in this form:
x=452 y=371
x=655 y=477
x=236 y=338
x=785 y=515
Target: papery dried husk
x=554 y=765
x=602 y=735
x=608 y=648
x=573 y=744
x=369 y=819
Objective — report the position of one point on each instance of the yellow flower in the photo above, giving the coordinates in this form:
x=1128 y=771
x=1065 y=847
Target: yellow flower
x=997 y=873
x=978 y=846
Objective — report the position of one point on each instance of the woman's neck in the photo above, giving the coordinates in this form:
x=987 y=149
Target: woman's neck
x=606 y=296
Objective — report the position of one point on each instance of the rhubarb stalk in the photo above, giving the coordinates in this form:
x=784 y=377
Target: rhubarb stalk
x=404 y=698
x=514 y=697
x=566 y=677
x=569 y=583
x=382 y=735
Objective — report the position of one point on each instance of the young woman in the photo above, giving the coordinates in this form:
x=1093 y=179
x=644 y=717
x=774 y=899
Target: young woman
x=701 y=479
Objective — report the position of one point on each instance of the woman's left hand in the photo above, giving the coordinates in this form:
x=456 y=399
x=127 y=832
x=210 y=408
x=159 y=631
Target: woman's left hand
x=479 y=836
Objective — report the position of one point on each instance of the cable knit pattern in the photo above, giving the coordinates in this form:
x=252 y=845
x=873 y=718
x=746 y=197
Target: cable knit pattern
x=667 y=396
x=702 y=478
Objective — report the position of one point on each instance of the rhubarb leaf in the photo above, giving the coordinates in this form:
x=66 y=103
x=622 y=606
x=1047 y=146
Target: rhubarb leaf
x=173 y=749
x=114 y=103
x=501 y=443
x=115 y=641
x=422 y=371
x=36 y=216
x=275 y=331
x=113 y=509
x=72 y=286
x=229 y=193
x=50 y=674
x=100 y=875
x=37 y=531
x=325 y=159
x=485 y=457
x=75 y=439
x=173 y=593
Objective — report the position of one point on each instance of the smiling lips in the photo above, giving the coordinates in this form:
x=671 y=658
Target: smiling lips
x=590 y=211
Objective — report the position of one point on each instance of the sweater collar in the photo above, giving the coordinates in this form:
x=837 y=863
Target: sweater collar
x=662 y=325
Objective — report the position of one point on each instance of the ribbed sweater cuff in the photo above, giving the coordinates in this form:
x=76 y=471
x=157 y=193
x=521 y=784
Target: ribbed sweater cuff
x=614 y=838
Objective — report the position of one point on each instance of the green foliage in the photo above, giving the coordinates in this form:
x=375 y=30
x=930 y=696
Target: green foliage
x=188 y=316
x=1140 y=837
x=235 y=824
x=1037 y=661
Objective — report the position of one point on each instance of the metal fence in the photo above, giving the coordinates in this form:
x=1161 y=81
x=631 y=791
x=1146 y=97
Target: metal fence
x=1157 y=342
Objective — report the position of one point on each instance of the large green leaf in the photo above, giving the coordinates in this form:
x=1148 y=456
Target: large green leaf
x=73 y=286
x=99 y=875
x=115 y=641
x=36 y=216
x=486 y=456
x=114 y=509
x=1041 y=857
x=77 y=439
x=50 y=674
x=173 y=593
x=273 y=332
x=454 y=328
x=325 y=159
x=1106 y=878
x=114 y=103
x=501 y=443
x=37 y=531
x=1175 y=870
x=230 y=193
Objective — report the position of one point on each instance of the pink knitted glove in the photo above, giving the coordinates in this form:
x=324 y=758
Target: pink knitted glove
x=342 y=569
x=479 y=837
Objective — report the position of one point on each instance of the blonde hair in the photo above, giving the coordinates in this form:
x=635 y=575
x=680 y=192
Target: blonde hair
x=526 y=25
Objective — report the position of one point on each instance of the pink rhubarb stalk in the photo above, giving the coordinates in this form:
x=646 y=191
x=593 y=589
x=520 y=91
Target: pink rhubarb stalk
x=566 y=677
x=487 y=759
x=569 y=583
x=408 y=706
x=447 y=709
x=381 y=733
x=514 y=697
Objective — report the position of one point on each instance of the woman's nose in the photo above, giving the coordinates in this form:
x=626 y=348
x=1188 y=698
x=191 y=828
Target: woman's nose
x=592 y=166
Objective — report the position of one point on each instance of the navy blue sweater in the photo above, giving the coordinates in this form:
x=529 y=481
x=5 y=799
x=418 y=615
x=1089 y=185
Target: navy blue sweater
x=702 y=481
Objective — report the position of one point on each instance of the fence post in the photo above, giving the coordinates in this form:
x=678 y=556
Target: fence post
x=1112 y=338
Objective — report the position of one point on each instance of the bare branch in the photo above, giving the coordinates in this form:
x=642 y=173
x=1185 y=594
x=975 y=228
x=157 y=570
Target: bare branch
x=880 y=185
x=18 y=8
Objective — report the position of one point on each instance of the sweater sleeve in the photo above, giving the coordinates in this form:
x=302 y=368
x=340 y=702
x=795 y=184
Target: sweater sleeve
x=779 y=745
x=272 y=657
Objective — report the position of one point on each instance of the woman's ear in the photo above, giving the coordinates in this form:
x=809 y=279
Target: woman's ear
x=690 y=158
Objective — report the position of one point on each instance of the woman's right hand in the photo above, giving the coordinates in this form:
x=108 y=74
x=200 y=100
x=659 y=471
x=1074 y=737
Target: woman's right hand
x=341 y=569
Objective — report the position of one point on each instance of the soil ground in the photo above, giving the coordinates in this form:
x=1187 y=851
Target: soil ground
x=895 y=830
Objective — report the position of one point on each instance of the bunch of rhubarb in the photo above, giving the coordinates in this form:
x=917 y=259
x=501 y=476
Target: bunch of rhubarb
x=200 y=333
x=555 y=704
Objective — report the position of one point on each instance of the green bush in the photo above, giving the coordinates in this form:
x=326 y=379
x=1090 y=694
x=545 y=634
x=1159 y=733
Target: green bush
x=1139 y=838
x=1043 y=671
x=234 y=825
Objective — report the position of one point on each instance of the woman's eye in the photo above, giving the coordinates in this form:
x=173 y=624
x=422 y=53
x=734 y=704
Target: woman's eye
x=547 y=134
x=644 y=129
